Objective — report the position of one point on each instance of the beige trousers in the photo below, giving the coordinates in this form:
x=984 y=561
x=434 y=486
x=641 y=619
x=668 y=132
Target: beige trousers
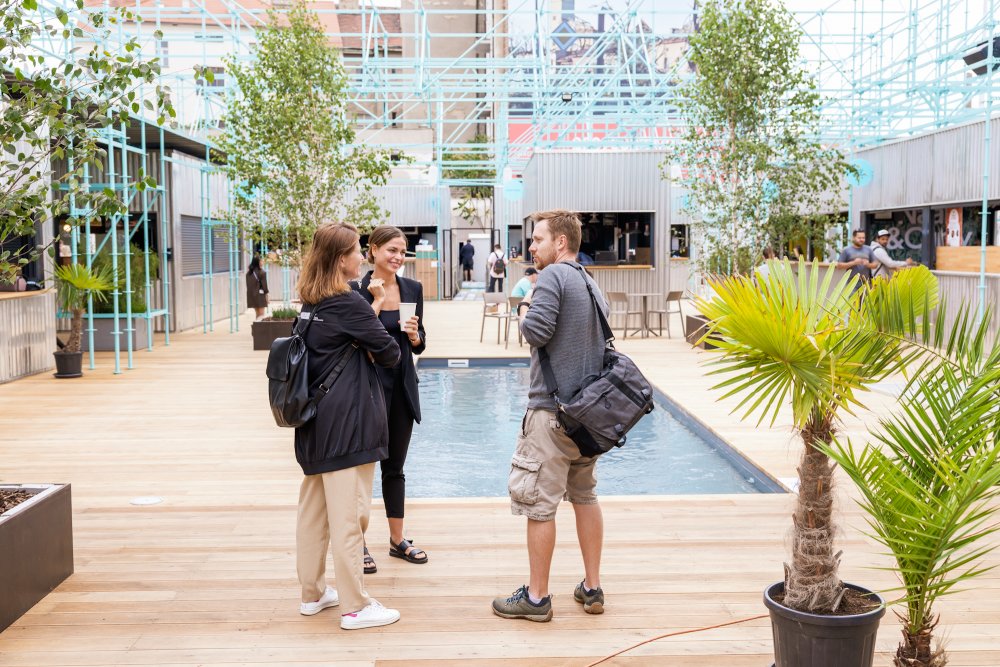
x=334 y=505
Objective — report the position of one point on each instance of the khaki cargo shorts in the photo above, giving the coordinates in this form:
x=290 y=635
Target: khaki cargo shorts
x=547 y=467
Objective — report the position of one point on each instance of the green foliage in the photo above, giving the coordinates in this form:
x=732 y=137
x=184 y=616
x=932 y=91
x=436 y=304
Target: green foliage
x=809 y=340
x=756 y=171
x=137 y=273
x=466 y=164
x=284 y=314
x=51 y=108
x=929 y=483
x=75 y=284
x=289 y=145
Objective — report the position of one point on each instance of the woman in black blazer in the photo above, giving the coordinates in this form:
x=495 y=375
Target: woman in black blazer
x=385 y=291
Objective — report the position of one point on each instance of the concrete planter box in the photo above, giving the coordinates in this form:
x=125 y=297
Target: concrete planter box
x=695 y=327
x=104 y=339
x=36 y=548
x=266 y=332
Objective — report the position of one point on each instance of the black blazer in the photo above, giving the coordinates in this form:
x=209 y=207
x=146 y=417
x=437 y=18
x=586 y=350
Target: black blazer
x=410 y=291
x=350 y=428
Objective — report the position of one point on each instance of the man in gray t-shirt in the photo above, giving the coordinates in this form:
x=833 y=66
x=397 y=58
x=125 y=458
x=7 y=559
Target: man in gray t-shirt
x=858 y=258
x=547 y=465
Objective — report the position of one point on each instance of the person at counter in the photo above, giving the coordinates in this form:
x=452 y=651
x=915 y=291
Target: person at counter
x=886 y=265
x=524 y=287
x=858 y=258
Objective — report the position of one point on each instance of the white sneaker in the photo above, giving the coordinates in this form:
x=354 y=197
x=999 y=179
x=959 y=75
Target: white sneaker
x=371 y=616
x=329 y=599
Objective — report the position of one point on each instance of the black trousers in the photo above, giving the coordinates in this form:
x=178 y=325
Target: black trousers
x=494 y=282
x=400 y=429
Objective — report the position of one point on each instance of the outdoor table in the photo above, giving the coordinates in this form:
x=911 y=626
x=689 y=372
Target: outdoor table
x=645 y=296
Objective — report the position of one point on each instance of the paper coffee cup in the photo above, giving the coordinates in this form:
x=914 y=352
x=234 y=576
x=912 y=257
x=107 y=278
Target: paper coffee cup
x=406 y=311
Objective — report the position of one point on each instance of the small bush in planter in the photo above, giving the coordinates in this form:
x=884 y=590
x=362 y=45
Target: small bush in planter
x=281 y=314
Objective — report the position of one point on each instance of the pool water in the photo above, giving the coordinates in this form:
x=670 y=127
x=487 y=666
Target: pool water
x=471 y=419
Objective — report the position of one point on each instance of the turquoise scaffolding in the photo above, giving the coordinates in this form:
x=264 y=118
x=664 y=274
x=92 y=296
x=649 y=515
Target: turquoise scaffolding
x=536 y=75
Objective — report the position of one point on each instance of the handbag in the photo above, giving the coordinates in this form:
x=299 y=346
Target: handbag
x=288 y=377
x=607 y=405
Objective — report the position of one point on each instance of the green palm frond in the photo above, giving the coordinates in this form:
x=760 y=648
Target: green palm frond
x=807 y=337
x=75 y=282
x=930 y=481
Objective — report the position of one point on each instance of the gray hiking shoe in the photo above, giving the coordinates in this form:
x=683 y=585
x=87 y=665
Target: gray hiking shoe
x=519 y=606
x=593 y=602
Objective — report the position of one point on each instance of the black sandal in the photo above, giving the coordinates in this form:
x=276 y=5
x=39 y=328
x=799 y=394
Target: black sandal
x=407 y=552
x=370 y=567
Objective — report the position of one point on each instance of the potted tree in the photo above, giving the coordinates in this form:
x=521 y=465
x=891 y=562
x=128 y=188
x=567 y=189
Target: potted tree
x=75 y=285
x=814 y=341
x=929 y=481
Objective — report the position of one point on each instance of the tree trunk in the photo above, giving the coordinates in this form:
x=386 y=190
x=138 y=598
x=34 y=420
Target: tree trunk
x=75 y=331
x=811 y=582
x=915 y=649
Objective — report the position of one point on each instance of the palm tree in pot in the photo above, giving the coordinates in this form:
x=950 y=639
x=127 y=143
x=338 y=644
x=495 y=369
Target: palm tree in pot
x=75 y=285
x=809 y=339
x=929 y=482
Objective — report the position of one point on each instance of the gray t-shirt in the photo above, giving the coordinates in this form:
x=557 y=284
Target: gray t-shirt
x=562 y=318
x=850 y=253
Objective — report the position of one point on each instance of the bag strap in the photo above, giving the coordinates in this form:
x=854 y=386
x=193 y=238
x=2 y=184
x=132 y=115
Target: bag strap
x=338 y=367
x=324 y=387
x=609 y=337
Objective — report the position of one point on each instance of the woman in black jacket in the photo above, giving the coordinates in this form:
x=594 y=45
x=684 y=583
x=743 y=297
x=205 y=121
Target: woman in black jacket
x=257 y=287
x=339 y=447
x=385 y=291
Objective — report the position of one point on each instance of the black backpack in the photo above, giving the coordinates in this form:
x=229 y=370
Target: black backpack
x=499 y=267
x=288 y=377
x=608 y=404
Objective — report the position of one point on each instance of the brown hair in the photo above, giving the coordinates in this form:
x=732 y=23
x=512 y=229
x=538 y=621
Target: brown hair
x=321 y=277
x=382 y=235
x=562 y=223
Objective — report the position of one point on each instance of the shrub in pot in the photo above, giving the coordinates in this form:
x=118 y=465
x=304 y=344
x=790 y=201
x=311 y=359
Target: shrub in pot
x=76 y=284
x=929 y=482
x=279 y=325
x=809 y=339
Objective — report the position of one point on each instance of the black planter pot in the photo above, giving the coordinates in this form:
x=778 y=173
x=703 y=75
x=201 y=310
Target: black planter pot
x=36 y=548
x=813 y=640
x=68 y=364
x=266 y=332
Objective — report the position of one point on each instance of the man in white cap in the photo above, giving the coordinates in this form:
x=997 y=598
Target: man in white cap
x=886 y=265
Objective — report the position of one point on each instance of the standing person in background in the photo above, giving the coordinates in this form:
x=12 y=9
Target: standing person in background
x=764 y=268
x=858 y=258
x=387 y=293
x=886 y=265
x=339 y=447
x=497 y=265
x=465 y=255
x=257 y=287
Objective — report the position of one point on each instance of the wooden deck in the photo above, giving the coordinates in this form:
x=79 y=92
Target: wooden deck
x=207 y=577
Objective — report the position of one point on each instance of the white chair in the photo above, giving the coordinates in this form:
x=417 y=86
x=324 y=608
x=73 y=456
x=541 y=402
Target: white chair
x=498 y=300
x=514 y=317
x=619 y=305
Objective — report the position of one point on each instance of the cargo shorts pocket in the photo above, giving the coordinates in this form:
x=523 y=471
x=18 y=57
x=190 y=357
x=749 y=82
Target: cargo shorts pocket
x=523 y=482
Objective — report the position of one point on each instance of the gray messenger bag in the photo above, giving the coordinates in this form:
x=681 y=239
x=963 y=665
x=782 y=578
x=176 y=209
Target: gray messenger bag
x=607 y=406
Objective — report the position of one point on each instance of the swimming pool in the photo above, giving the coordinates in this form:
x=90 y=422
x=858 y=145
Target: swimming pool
x=471 y=418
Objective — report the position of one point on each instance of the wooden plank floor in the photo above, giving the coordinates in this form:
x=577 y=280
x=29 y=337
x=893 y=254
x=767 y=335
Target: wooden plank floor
x=207 y=577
